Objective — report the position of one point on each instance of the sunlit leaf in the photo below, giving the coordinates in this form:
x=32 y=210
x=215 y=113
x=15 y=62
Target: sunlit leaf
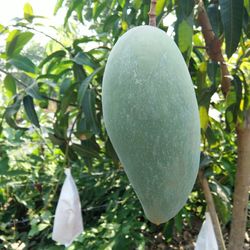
x=203 y=117
x=185 y=33
x=98 y=8
x=10 y=85
x=159 y=6
x=122 y=2
x=16 y=41
x=137 y=4
x=58 y=6
x=72 y=6
x=28 y=12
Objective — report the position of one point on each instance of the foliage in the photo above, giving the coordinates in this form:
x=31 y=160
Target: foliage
x=51 y=116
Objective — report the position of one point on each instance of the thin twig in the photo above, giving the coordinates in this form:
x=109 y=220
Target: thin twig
x=57 y=101
x=66 y=164
x=200 y=47
x=69 y=141
x=212 y=211
x=151 y=13
x=8 y=73
x=86 y=210
x=43 y=33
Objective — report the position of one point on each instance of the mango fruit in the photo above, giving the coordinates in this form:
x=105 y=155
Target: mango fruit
x=151 y=116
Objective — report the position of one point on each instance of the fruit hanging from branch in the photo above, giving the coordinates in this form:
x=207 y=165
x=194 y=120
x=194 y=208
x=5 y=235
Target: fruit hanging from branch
x=151 y=116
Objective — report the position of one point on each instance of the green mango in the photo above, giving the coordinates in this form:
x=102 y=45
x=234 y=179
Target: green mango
x=151 y=116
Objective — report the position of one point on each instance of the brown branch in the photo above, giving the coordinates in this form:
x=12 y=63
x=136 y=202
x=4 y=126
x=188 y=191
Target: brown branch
x=213 y=45
x=242 y=179
x=242 y=187
x=151 y=13
x=212 y=211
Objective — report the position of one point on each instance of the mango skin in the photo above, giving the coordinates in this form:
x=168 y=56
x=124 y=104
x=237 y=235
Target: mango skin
x=151 y=116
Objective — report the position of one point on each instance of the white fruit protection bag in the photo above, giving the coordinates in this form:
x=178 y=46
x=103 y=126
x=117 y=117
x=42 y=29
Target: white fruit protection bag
x=68 y=218
x=206 y=238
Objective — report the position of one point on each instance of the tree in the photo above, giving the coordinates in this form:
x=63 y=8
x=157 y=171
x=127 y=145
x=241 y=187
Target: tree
x=60 y=95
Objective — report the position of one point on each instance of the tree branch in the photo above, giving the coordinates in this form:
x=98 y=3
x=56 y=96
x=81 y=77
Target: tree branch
x=241 y=188
x=43 y=33
x=212 y=211
x=213 y=45
x=20 y=82
x=151 y=13
x=25 y=87
x=57 y=101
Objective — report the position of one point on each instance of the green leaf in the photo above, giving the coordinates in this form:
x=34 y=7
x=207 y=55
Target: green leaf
x=212 y=139
x=16 y=41
x=98 y=8
x=247 y=6
x=84 y=85
x=11 y=111
x=2 y=28
x=30 y=110
x=110 y=151
x=57 y=54
x=231 y=15
x=55 y=140
x=65 y=84
x=28 y=12
x=72 y=6
x=246 y=23
x=159 y=6
x=222 y=203
x=212 y=71
x=33 y=91
x=110 y=22
x=88 y=106
x=184 y=36
x=215 y=18
x=137 y=4
x=233 y=101
x=122 y=3
x=69 y=96
x=23 y=63
x=58 y=6
x=82 y=58
x=85 y=151
x=10 y=85
x=178 y=222
x=185 y=33
x=4 y=166
x=203 y=117
x=61 y=125
x=79 y=10
x=185 y=9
